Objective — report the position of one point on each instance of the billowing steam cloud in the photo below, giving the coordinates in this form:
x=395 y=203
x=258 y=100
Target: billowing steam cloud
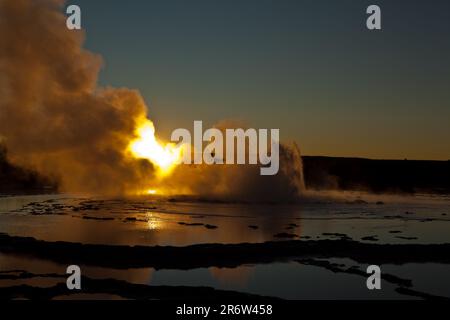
x=55 y=119
x=52 y=115
x=242 y=182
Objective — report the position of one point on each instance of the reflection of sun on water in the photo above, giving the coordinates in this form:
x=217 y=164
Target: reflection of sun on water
x=153 y=222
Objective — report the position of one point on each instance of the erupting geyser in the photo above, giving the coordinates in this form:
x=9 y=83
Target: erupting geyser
x=147 y=147
x=55 y=119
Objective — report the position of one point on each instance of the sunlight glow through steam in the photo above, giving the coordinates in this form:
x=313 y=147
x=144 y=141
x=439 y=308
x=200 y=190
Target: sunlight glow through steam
x=147 y=147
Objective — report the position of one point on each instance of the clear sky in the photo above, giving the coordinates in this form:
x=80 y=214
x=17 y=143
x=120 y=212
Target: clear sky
x=310 y=68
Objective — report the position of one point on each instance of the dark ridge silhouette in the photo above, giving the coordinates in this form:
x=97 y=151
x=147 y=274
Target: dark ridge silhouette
x=320 y=173
x=404 y=176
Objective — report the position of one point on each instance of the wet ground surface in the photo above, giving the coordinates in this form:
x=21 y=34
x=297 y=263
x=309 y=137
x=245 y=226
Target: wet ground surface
x=352 y=218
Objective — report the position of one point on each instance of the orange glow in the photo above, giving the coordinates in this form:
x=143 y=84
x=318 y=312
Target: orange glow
x=146 y=146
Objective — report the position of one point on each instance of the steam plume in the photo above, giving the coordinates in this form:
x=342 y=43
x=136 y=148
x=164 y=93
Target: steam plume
x=55 y=119
x=242 y=183
x=52 y=115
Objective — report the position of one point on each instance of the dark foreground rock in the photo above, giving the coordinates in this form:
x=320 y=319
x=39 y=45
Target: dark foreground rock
x=120 y=288
x=222 y=255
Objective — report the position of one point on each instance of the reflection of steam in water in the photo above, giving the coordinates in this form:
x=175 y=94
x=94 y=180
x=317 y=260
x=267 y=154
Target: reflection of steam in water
x=233 y=277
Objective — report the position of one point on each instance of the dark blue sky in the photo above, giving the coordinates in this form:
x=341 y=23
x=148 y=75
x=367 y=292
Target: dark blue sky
x=310 y=68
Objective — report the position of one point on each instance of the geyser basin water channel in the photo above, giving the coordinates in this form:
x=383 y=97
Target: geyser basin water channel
x=153 y=221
